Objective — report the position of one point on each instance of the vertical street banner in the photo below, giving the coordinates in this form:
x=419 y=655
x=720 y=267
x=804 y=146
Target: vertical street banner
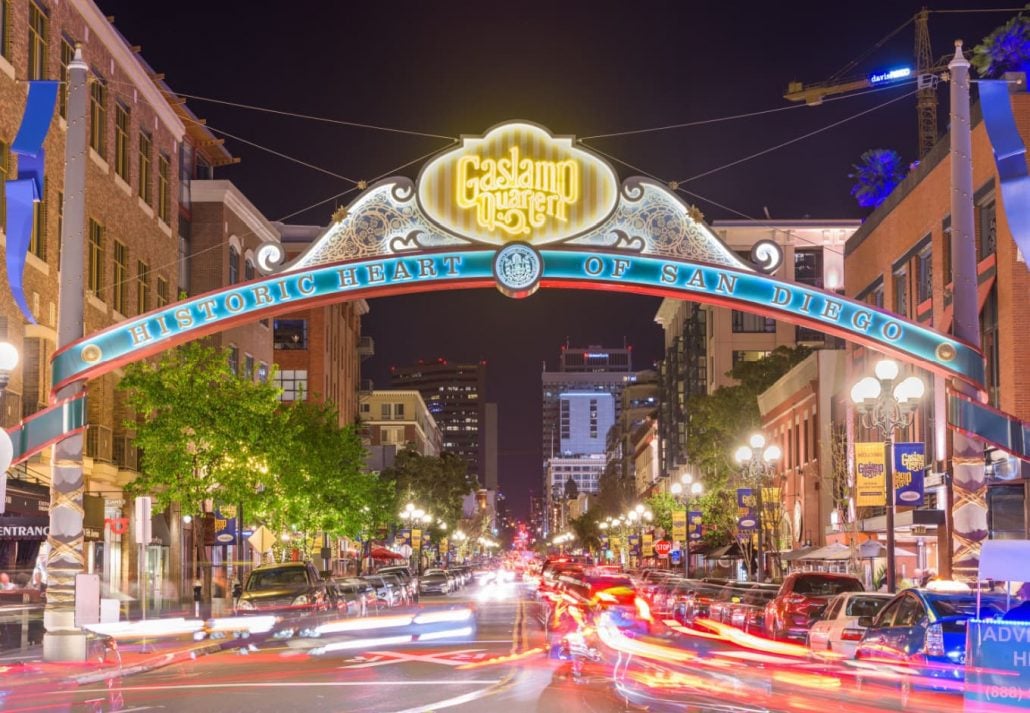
x=679 y=525
x=870 y=475
x=225 y=524
x=605 y=544
x=416 y=539
x=694 y=519
x=444 y=545
x=404 y=537
x=634 y=545
x=909 y=467
x=648 y=544
x=746 y=502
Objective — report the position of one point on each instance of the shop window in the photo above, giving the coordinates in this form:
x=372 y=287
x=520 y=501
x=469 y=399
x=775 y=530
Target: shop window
x=924 y=275
x=744 y=322
x=1006 y=518
x=290 y=333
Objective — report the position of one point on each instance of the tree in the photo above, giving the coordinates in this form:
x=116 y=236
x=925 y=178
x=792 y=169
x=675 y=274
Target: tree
x=662 y=506
x=587 y=529
x=438 y=484
x=204 y=432
x=1007 y=49
x=876 y=175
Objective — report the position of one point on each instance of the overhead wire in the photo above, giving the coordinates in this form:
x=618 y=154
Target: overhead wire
x=745 y=115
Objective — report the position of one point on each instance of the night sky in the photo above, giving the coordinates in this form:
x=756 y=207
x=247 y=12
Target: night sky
x=583 y=68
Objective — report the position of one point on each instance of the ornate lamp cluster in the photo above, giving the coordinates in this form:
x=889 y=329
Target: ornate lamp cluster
x=757 y=461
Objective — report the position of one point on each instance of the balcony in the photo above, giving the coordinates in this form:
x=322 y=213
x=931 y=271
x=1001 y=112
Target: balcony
x=125 y=453
x=366 y=348
x=99 y=443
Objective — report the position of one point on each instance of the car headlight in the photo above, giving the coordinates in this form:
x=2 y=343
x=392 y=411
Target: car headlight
x=302 y=599
x=245 y=604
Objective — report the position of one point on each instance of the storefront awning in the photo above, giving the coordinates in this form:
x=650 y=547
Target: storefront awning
x=795 y=554
x=836 y=551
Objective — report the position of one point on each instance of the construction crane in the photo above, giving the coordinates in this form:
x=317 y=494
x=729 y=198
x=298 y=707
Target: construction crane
x=927 y=73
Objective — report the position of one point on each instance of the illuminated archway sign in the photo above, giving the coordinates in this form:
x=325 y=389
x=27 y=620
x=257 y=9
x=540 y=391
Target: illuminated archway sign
x=519 y=209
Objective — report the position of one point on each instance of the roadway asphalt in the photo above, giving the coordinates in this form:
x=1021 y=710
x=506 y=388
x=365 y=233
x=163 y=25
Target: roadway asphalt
x=448 y=674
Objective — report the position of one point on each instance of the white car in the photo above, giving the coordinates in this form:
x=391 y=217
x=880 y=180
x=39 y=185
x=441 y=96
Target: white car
x=838 y=629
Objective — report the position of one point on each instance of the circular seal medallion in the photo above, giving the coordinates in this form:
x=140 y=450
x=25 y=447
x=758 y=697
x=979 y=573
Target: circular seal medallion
x=517 y=269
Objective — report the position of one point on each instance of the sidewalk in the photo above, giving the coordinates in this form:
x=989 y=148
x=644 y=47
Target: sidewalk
x=25 y=667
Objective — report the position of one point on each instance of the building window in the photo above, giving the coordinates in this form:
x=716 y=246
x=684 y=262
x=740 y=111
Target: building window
x=5 y=29
x=5 y=173
x=747 y=322
x=262 y=374
x=740 y=356
x=293 y=382
x=808 y=267
x=164 y=189
x=1006 y=512
x=924 y=275
x=248 y=367
x=901 y=292
x=162 y=292
x=95 y=265
x=398 y=411
x=142 y=287
x=989 y=341
x=248 y=269
x=37 y=41
x=988 y=228
x=37 y=241
x=121 y=141
x=290 y=333
x=234 y=359
x=67 y=55
x=121 y=277
x=98 y=116
x=234 y=265
x=946 y=248
x=145 y=146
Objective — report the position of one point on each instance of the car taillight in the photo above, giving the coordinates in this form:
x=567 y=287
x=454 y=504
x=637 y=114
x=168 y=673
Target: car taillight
x=934 y=640
x=851 y=635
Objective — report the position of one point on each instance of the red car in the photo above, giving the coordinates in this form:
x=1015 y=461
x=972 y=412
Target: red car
x=801 y=599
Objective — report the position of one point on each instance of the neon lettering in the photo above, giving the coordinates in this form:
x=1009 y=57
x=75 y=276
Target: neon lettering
x=261 y=295
x=831 y=310
x=348 y=277
x=426 y=268
x=696 y=280
x=183 y=318
x=806 y=300
x=208 y=308
x=453 y=262
x=891 y=331
x=400 y=271
x=862 y=319
x=727 y=283
x=139 y=333
x=376 y=273
x=515 y=194
x=306 y=285
x=669 y=274
x=234 y=302
x=619 y=267
x=781 y=295
x=593 y=266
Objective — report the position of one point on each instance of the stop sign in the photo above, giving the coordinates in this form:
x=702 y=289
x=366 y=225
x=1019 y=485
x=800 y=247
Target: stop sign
x=662 y=548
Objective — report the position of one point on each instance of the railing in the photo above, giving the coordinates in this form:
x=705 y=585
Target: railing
x=125 y=453
x=99 y=442
x=366 y=347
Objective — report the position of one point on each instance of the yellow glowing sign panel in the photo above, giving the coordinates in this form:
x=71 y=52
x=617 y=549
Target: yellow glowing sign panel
x=517 y=183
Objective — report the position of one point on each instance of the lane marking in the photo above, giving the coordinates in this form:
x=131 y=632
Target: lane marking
x=460 y=657
x=498 y=687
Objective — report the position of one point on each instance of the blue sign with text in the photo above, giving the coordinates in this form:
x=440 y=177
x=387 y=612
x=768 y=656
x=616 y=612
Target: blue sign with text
x=909 y=467
x=997 y=666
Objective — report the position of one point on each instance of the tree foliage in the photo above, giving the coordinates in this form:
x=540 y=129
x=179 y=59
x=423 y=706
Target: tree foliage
x=437 y=484
x=587 y=529
x=878 y=172
x=721 y=421
x=662 y=506
x=204 y=432
x=1007 y=49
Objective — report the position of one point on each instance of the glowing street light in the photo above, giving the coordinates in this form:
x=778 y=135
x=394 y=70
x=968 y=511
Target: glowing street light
x=756 y=461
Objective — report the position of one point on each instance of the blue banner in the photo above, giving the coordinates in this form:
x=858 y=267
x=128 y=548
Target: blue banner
x=694 y=525
x=745 y=509
x=1009 y=157
x=404 y=537
x=225 y=524
x=23 y=192
x=997 y=666
x=634 y=545
x=909 y=467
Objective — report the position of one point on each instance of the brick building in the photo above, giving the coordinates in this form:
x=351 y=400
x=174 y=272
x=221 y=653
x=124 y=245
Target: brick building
x=144 y=151
x=900 y=259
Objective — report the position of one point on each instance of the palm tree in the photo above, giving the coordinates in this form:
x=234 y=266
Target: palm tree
x=1007 y=49
x=876 y=175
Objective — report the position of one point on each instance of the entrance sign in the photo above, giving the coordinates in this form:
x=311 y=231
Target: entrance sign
x=870 y=475
x=518 y=209
x=909 y=466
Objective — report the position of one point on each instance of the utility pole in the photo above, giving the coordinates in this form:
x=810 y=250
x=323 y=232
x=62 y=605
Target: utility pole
x=63 y=640
x=926 y=94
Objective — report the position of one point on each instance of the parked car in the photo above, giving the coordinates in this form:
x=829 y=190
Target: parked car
x=400 y=587
x=404 y=574
x=749 y=614
x=801 y=599
x=358 y=596
x=721 y=607
x=839 y=629
x=696 y=602
x=434 y=581
x=926 y=630
x=284 y=587
x=386 y=593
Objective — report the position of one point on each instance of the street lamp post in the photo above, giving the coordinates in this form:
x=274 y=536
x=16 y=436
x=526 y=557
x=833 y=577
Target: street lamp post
x=887 y=406
x=756 y=460
x=411 y=516
x=689 y=489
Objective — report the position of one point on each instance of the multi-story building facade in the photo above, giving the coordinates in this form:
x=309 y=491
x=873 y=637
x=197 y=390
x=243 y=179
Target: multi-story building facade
x=455 y=395
x=144 y=151
x=703 y=343
x=900 y=259
x=584 y=470
x=399 y=418
x=637 y=414
x=318 y=351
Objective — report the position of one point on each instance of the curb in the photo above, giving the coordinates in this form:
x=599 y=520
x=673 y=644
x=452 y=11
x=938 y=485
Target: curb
x=156 y=662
